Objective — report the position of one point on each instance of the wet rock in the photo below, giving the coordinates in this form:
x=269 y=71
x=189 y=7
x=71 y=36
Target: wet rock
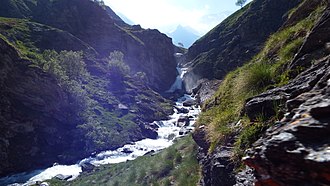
x=63 y=177
x=87 y=167
x=183 y=121
x=154 y=125
x=127 y=151
x=184 y=131
x=152 y=152
x=189 y=103
x=182 y=110
x=148 y=130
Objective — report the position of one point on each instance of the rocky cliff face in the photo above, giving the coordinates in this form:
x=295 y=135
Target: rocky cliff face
x=236 y=40
x=295 y=151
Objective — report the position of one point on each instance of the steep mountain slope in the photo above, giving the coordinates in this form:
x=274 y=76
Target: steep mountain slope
x=54 y=110
x=92 y=24
x=279 y=97
x=236 y=40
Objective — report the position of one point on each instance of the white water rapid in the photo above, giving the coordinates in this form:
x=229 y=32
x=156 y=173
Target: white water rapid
x=167 y=132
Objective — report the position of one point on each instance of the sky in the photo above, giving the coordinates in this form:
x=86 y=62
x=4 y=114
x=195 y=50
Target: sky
x=166 y=15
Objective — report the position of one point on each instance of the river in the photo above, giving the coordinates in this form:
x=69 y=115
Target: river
x=168 y=130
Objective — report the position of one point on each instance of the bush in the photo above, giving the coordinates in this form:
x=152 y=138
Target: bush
x=117 y=69
x=69 y=70
x=65 y=66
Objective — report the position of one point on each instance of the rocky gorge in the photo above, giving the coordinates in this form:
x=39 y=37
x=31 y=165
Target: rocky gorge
x=261 y=78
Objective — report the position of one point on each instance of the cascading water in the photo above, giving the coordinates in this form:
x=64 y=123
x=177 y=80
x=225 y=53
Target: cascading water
x=168 y=130
x=177 y=85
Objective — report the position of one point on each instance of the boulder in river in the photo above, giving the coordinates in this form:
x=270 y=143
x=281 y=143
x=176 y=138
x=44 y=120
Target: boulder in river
x=184 y=131
x=182 y=110
x=87 y=167
x=149 y=130
x=127 y=151
x=152 y=152
x=183 y=121
x=189 y=103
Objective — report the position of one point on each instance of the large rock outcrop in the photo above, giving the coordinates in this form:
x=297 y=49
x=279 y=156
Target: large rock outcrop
x=236 y=40
x=296 y=150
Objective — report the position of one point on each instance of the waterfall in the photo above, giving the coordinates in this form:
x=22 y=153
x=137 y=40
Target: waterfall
x=178 y=83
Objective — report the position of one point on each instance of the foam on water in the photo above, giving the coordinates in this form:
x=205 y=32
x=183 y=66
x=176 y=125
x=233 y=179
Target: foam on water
x=167 y=132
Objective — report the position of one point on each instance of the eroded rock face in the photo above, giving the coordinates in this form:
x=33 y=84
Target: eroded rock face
x=217 y=167
x=315 y=45
x=206 y=89
x=296 y=151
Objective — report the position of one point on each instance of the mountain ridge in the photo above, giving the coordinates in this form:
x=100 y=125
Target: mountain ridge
x=183 y=35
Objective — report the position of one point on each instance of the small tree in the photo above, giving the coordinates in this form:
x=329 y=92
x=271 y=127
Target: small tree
x=69 y=70
x=73 y=64
x=66 y=65
x=240 y=3
x=117 y=69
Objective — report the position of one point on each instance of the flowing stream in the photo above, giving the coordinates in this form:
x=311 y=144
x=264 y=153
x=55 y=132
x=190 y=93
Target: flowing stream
x=168 y=130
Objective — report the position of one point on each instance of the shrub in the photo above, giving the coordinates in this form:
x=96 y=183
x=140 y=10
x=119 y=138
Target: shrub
x=117 y=69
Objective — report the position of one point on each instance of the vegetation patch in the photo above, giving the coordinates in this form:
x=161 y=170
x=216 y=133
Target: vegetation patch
x=18 y=33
